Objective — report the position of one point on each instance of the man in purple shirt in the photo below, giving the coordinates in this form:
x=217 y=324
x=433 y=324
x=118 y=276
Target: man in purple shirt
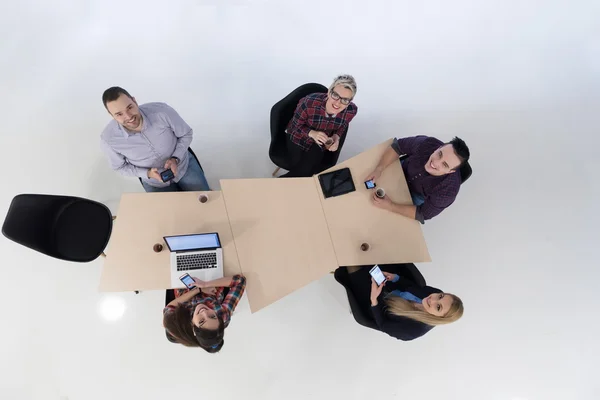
x=143 y=141
x=430 y=170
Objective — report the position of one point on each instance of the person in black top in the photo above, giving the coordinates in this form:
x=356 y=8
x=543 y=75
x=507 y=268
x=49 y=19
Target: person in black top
x=400 y=307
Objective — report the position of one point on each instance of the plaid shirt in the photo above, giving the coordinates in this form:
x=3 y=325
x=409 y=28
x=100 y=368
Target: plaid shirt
x=310 y=115
x=223 y=306
x=438 y=191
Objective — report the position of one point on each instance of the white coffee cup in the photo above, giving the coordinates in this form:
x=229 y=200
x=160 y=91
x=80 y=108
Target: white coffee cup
x=380 y=193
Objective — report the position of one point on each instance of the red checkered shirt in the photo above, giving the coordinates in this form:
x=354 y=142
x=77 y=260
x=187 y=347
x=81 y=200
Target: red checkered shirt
x=223 y=305
x=310 y=115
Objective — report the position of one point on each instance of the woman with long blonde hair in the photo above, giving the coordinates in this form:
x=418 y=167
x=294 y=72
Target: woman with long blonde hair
x=404 y=310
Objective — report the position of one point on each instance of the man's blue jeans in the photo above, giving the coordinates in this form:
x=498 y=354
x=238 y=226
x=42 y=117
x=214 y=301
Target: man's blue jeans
x=417 y=199
x=193 y=180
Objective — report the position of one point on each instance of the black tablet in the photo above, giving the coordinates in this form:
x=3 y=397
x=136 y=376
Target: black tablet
x=337 y=183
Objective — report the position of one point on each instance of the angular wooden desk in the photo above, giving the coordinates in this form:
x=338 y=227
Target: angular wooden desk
x=142 y=221
x=288 y=235
x=352 y=218
x=280 y=233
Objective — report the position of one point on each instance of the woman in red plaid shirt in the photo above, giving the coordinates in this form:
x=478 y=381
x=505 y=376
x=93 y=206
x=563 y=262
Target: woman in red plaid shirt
x=319 y=122
x=198 y=317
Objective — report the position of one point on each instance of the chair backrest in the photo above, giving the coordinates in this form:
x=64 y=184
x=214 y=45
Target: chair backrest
x=196 y=157
x=342 y=277
x=281 y=114
x=409 y=271
x=283 y=111
x=465 y=172
x=64 y=227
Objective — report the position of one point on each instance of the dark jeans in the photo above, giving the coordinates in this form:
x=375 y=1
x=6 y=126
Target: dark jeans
x=193 y=180
x=307 y=163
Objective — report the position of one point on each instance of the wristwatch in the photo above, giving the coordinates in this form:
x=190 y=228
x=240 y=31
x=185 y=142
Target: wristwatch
x=176 y=159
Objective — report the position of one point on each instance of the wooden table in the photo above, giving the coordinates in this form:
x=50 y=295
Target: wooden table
x=353 y=219
x=142 y=221
x=280 y=233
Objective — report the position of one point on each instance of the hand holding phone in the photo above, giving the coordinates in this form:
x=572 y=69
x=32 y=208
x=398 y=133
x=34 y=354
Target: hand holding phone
x=377 y=275
x=167 y=175
x=188 y=281
x=153 y=174
x=374 y=176
x=171 y=164
x=375 y=292
x=370 y=184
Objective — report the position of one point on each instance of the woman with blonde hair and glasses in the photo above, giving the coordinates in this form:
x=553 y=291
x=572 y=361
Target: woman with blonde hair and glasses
x=319 y=123
x=400 y=307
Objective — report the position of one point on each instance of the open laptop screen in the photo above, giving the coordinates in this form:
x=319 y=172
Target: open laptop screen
x=200 y=241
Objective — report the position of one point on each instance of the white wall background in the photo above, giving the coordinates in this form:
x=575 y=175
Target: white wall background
x=518 y=80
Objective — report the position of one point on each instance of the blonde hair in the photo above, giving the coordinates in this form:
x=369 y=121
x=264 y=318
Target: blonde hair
x=347 y=81
x=403 y=308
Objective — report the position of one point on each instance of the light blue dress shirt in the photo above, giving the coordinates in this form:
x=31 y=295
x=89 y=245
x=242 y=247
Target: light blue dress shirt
x=164 y=135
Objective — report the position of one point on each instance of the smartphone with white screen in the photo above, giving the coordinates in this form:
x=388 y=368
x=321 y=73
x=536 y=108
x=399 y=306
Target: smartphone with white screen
x=377 y=275
x=187 y=280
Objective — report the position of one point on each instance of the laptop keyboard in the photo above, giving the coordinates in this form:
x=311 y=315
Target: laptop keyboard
x=186 y=262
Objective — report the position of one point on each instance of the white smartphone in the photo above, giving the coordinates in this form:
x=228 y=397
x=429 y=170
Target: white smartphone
x=377 y=275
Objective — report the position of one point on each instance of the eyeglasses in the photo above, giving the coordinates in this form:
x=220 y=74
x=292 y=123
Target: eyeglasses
x=334 y=95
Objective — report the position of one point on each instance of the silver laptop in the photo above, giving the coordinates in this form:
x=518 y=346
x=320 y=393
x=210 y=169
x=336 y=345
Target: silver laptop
x=199 y=255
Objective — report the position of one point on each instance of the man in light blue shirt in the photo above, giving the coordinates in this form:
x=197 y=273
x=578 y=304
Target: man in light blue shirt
x=145 y=140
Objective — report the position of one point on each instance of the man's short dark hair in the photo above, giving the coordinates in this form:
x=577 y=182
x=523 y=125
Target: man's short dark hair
x=461 y=149
x=113 y=93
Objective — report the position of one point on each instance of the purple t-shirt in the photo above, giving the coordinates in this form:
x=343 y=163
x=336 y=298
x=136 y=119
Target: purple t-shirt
x=438 y=191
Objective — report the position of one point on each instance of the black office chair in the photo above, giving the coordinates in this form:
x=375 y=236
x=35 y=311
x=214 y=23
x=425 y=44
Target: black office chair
x=169 y=297
x=281 y=114
x=193 y=155
x=465 y=170
x=341 y=275
x=64 y=227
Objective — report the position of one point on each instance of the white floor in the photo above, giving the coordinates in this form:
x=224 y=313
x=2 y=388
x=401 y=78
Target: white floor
x=519 y=81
